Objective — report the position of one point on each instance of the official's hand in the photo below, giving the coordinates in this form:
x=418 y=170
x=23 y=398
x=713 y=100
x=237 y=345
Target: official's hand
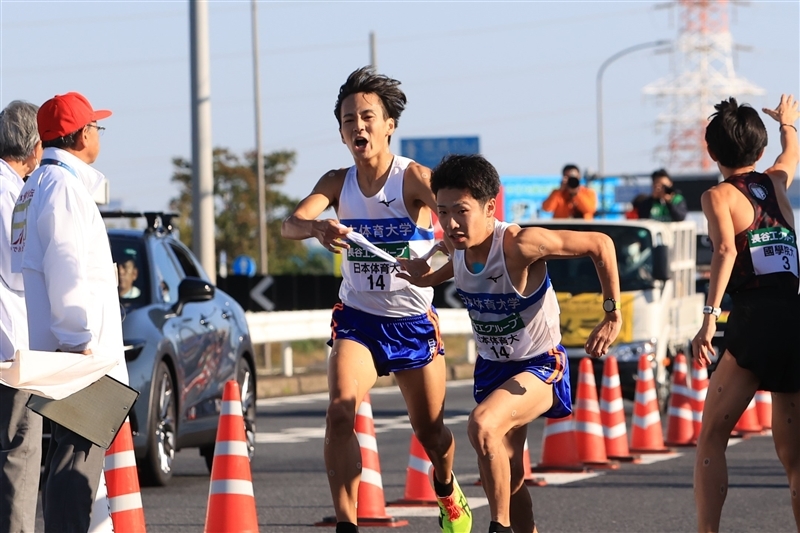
x=603 y=335
x=668 y=197
x=787 y=111
x=416 y=271
x=701 y=344
x=331 y=235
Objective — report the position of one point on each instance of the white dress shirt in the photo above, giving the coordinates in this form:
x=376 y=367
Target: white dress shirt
x=60 y=244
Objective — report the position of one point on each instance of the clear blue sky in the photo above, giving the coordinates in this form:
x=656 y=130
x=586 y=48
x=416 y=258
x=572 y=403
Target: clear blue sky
x=519 y=75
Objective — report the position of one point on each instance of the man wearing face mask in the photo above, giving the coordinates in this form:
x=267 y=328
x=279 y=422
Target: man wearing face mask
x=666 y=203
x=20 y=428
x=571 y=200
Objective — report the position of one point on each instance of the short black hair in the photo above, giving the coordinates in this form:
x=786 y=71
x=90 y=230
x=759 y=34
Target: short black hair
x=67 y=141
x=569 y=167
x=660 y=173
x=736 y=134
x=471 y=173
x=366 y=80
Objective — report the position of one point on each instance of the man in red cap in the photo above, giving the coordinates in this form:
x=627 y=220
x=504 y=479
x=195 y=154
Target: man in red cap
x=59 y=243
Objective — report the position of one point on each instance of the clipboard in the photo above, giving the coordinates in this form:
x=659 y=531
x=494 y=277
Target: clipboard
x=95 y=412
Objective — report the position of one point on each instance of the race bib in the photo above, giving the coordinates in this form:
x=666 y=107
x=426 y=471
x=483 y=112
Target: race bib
x=371 y=273
x=773 y=250
x=501 y=340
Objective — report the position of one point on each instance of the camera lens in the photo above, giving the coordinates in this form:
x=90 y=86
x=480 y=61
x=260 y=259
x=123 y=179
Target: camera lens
x=573 y=182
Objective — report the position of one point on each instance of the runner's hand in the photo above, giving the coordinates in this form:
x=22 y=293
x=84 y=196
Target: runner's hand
x=331 y=235
x=701 y=344
x=786 y=112
x=416 y=271
x=603 y=335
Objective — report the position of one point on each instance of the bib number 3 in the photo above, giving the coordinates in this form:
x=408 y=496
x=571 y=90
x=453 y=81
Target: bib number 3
x=773 y=250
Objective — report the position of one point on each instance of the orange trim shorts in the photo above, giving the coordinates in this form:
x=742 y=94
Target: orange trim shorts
x=550 y=367
x=396 y=344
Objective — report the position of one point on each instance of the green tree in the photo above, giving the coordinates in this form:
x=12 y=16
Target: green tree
x=236 y=210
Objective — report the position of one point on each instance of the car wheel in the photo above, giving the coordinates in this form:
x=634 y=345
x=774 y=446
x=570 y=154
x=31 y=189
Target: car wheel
x=247 y=389
x=157 y=467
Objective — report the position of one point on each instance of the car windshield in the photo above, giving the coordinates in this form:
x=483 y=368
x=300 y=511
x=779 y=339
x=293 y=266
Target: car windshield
x=634 y=260
x=133 y=274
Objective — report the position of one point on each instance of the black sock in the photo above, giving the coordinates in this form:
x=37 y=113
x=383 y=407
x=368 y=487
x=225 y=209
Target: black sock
x=495 y=527
x=347 y=527
x=443 y=491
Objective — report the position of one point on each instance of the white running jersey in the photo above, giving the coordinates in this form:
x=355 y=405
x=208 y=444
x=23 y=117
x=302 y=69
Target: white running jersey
x=507 y=326
x=370 y=284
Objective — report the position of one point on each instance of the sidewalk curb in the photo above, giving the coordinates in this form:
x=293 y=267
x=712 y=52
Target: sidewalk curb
x=277 y=386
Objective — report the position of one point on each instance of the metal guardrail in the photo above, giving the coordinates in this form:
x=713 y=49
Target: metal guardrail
x=288 y=326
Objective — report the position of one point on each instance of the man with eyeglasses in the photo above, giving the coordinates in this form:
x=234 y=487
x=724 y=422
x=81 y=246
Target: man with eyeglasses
x=59 y=243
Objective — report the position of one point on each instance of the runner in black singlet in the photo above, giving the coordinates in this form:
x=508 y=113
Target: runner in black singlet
x=755 y=260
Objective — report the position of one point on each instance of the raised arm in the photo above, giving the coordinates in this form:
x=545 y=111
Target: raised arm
x=303 y=222
x=786 y=114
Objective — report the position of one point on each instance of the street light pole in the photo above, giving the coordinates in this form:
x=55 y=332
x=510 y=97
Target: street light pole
x=261 y=186
x=601 y=70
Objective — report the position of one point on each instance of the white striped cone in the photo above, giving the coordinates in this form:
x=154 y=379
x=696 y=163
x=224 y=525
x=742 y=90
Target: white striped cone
x=680 y=424
x=612 y=414
x=122 y=483
x=530 y=479
x=418 y=490
x=559 y=447
x=588 y=426
x=764 y=408
x=231 y=502
x=646 y=436
x=699 y=391
x=371 y=503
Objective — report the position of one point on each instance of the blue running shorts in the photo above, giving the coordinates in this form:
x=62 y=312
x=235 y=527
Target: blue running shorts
x=396 y=344
x=550 y=367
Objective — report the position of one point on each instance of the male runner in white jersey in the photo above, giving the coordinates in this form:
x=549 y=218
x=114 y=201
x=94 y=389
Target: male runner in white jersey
x=384 y=324
x=521 y=373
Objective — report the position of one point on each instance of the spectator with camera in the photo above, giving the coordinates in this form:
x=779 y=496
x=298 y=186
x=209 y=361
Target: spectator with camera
x=666 y=203
x=571 y=200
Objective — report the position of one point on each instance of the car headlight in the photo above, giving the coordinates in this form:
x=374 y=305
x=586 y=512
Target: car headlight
x=632 y=351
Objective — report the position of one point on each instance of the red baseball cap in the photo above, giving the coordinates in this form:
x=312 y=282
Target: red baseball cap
x=66 y=113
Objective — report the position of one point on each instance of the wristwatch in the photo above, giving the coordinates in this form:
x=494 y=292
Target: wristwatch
x=709 y=310
x=610 y=305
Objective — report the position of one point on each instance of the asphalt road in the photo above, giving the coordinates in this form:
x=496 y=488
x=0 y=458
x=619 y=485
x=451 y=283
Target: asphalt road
x=292 y=493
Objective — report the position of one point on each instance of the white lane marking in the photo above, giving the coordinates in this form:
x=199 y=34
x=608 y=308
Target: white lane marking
x=474 y=503
x=650 y=458
x=309 y=398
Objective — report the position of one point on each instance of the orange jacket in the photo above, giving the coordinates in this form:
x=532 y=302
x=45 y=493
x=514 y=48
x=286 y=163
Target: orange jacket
x=564 y=205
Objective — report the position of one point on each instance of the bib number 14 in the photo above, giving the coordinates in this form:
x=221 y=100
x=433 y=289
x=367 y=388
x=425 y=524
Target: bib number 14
x=376 y=282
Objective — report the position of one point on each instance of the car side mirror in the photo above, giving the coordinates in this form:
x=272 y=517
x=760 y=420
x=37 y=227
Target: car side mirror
x=661 y=269
x=193 y=290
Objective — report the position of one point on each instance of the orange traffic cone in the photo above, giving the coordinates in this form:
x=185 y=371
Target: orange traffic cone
x=699 y=391
x=530 y=479
x=371 y=507
x=559 y=447
x=646 y=436
x=588 y=426
x=748 y=422
x=764 y=408
x=419 y=492
x=101 y=514
x=231 y=504
x=612 y=414
x=680 y=424
x=122 y=484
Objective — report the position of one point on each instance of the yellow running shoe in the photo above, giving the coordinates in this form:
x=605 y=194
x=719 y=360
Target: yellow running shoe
x=455 y=515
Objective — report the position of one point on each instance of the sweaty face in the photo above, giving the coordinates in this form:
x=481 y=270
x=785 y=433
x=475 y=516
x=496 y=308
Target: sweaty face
x=465 y=221
x=365 y=129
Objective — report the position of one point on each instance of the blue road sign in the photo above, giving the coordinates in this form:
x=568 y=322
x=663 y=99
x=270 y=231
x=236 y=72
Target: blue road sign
x=244 y=265
x=430 y=151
